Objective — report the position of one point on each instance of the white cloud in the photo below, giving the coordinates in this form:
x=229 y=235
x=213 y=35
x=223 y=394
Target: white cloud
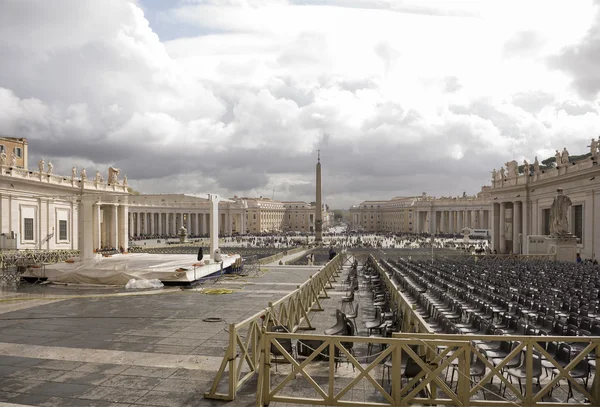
x=396 y=95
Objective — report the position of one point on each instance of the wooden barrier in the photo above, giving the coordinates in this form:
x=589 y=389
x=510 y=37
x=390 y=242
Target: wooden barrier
x=241 y=360
x=442 y=353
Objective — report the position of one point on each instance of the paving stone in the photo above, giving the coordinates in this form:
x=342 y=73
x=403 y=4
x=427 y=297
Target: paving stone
x=133 y=382
x=180 y=385
x=171 y=399
x=19 y=361
x=66 y=402
x=18 y=385
x=81 y=377
x=9 y=370
x=7 y=395
x=107 y=369
x=33 y=373
x=176 y=350
x=149 y=371
x=68 y=390
x=178 y=342
x=113 y=394
x=59 y=365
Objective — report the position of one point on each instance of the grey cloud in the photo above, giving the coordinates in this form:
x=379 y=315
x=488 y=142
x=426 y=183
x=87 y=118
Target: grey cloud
x=451 y=84
x=577 y=109
x=522 y=43
x=353 y=85
x=388 y=55
x=581 y=61
x=533 y=101
x=390 y=5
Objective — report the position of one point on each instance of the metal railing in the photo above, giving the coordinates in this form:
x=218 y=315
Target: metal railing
x=241 y=360
x=19 y=257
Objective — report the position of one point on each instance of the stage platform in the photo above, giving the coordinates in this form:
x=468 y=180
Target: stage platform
x=118 y=269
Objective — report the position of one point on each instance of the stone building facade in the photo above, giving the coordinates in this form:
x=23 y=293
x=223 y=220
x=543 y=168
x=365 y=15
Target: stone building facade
x=521 y=199
x=43 y=210
x=423 y=214
x=163 y=215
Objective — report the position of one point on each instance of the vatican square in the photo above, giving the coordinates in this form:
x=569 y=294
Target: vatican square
x=296 y=203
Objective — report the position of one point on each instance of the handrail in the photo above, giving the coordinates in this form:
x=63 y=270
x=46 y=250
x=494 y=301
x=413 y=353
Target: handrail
x=242 y=357
x=436 y=354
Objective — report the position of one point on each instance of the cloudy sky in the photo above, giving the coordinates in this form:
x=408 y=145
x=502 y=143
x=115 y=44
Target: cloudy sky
x=237 y=96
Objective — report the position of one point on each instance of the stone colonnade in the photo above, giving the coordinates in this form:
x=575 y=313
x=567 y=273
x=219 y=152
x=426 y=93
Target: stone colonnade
x=167 y=223
x=510 y=226
x=451 y=220
x=101 y=225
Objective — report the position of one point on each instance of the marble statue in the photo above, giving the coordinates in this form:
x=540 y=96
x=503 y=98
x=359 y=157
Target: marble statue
x=73 y=173
x=13 y=160
x=593 y=147
x=559 y=224
x=125 y=180
x=41 y=165
x=502 y=173
x=113 y=175
x=512 y=168
x=3 y=159
x=526 y=168
x=494 y=174
x=50 y=168
x=558 y=158
x=98 y=177
x=536 y=166
x=83 y=174
x=565 y=156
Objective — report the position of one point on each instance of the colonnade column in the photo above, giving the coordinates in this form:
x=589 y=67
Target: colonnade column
x=525 y=228
x=96 y=217
x=516 y=227
x=160 y=232
x=138 y=231
x=495 y=226
x=114 y=226
x=85 y=228
x=502 y=242
x=123 y=236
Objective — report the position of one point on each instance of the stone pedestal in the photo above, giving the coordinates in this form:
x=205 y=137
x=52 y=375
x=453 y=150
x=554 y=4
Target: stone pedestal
x=564 y=247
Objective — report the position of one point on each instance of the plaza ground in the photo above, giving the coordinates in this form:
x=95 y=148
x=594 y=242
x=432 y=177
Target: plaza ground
x=69 y=346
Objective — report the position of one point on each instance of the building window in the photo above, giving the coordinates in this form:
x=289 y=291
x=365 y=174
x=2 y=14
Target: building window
x=577 y=213
x=28 y=226
x=2 y=148
x=546 y=221
x=17 y=151
x=62 y=230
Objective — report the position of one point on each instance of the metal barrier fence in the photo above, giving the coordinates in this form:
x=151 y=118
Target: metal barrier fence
x=18 y=257
x=432 y=356
x=241 y=360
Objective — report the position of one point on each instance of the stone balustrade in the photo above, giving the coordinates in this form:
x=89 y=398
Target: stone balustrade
x=54 y=179
x=548 y=173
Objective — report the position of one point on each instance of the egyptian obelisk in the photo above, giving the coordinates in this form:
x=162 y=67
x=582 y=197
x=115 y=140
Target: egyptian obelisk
x=318 y=206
